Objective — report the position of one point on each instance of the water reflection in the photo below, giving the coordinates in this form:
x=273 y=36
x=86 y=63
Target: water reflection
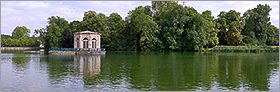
x=132 y=71
x=87 y=64
x=21 y=62
x=194 y=72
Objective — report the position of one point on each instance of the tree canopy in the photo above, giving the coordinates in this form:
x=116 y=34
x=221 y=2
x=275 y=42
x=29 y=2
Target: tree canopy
x=20 y=32
x=258 y=28
x=20 y=38
x=163 y=26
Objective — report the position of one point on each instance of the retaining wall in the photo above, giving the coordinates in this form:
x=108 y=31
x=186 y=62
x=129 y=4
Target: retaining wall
x=20 y=48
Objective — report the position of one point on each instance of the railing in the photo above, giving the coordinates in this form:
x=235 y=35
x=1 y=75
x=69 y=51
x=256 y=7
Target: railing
x=77 y=49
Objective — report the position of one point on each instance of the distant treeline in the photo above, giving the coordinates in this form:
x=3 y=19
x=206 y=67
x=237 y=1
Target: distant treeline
x=20 y=38
x=166 y=26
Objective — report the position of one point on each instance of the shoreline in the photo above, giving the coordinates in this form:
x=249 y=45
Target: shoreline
x=246 y=49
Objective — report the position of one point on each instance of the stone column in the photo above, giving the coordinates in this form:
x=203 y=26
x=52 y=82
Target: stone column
x=81 y=43
x=98 y=41
x=89 y=43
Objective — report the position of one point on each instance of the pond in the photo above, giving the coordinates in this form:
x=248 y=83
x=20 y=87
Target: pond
x=133 y=71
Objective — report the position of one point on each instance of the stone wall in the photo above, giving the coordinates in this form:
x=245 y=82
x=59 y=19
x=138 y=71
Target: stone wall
x=20 y=48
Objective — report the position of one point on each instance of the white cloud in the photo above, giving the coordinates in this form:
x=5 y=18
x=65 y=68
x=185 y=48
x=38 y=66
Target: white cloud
x=34 y=14
x=25 y=4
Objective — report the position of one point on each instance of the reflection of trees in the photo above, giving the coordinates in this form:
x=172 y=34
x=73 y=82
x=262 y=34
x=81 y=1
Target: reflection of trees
x=193 y=72
x=173 y=72
x=250 y=71
x=21 y=61
x=229 y=70
x=257 y=70
x=59 y=67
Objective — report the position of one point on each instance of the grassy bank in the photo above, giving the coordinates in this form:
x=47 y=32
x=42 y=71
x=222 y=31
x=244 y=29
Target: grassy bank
x=250 y=49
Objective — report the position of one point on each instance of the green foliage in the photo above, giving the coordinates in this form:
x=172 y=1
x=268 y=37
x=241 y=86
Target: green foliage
x=67 y=39
x=164 y=26
x=253 y=49
x=56 y=27
x=41 y=34
x=97 y=23
x=230 y=25
x=115 y=25
x=94 y=22
x=196 y=36
x=183 y=28
x=75 y=26
x=211 y=29
x=20 y=32
x=272 y=35
x=142 y=29
x=22 y=42
x=257 y=26
x=20 y=38
x=172 y=21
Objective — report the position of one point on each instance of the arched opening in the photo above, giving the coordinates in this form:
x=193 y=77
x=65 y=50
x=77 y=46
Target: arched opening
x=93 y=43
x=85 y=43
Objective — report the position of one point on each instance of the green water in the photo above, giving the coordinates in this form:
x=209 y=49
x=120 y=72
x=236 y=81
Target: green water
x=122 y=71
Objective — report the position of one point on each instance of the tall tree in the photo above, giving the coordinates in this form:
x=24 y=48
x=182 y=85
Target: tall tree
x=56 y=26
x=115 y=25
x=89 y=21
x=20 y=32
x=97 y=23
x=142 y=29
x=94 y=22
x=230 y=25
x=181 y=27
x=257 y=24
x=211 y=29
x=195 y=34
x=170 y=17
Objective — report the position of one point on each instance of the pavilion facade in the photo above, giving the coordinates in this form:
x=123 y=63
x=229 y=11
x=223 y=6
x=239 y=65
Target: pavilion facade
x=87 y=39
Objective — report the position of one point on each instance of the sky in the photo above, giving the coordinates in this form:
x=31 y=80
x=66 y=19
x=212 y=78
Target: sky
x=34 y=14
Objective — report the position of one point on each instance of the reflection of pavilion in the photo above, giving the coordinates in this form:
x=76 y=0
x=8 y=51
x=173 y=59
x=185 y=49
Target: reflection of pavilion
x=87 y=64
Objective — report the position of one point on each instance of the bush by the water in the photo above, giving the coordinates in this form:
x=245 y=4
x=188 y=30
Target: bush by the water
x=245 y=49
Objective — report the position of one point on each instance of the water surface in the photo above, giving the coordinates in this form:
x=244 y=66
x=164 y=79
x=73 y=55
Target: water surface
x=122 y=71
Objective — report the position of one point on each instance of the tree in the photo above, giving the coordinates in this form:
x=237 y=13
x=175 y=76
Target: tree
x=272 y=35
x=171 y=19
x=67 y=39
x=20 y=38
x=257 y=25
x=20 y=32
x=182 y=27
x=142 y=29
x=97 y=23
x=41 y=34
x=115 y=25
x=211 y=29
x=93 y=21
x=195 y=35
x=230 y=25
x=75 y=26
x=56 y=26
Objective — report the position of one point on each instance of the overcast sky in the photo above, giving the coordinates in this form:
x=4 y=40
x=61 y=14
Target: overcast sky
x=34 y=14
